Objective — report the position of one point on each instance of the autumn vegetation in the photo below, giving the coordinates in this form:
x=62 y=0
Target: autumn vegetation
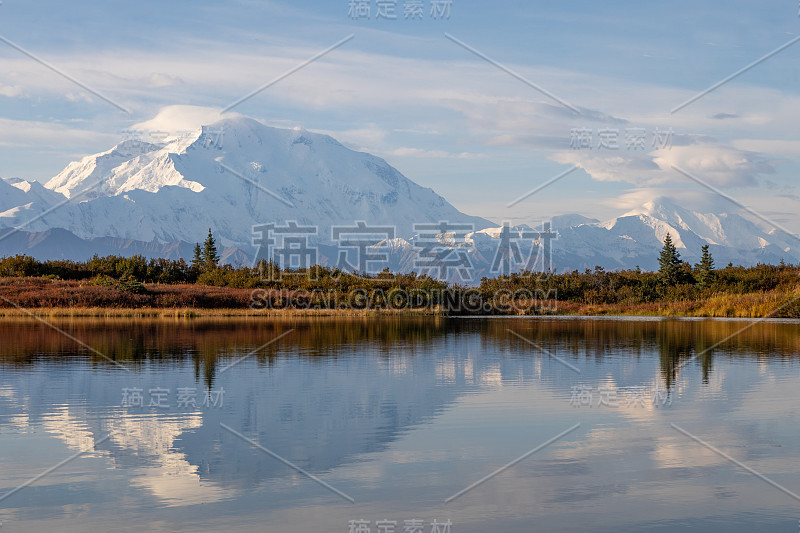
x=105 y=284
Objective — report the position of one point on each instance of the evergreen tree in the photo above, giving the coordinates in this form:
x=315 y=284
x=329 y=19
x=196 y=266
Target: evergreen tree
x=268 y=271
x=705 y=269
x=669 y=263
x=197 y=260
x=210 y=255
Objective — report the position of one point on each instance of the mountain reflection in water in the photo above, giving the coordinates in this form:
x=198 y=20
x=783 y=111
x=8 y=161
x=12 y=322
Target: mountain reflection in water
x=337 y=395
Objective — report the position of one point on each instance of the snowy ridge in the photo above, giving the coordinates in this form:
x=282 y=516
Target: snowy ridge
x=246 y=175
x=238 y=173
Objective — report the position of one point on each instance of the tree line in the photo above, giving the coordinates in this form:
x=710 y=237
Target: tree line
x=675 y=280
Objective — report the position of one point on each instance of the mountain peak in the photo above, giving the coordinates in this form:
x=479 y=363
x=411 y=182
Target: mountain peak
x=658 y=207
x=233 y=174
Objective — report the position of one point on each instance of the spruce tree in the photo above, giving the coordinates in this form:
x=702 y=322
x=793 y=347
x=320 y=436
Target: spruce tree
x=210 y=255
x=669 y=263
x=705 y=268
x=197 y=260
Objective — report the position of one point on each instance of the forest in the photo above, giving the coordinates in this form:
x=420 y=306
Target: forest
x=677 y=288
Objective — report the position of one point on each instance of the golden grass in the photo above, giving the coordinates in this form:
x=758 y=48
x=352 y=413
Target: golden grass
x=115 y=312
x=72 y=299
x=752 y=305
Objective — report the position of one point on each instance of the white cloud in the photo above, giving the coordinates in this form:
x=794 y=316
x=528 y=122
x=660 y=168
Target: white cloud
x=159 y=80
x=362 y=139
x=392 y=106
x=613 y=166
x=490 y=106
x=718 y=165
x=434 y=154
x=786 y=148
x=177 y=118
x=78 y=96
x=696 y=199
x=26 y=133
x=12 y=91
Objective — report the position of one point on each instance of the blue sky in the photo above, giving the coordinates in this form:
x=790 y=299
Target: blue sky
x=443 y=116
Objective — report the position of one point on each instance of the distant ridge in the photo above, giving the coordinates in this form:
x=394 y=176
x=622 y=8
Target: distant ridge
x=159 y=199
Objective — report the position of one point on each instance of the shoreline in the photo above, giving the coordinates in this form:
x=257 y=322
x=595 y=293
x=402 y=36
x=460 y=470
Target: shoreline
x=23 y=297
x=189 y=313
x=570 y=310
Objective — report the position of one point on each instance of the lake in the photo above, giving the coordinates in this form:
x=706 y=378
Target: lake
x=400 y=425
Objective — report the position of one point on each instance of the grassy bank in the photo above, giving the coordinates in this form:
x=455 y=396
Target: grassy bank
x=134 y=286
x=70 y=298
x=183 y=313
x=773 y=304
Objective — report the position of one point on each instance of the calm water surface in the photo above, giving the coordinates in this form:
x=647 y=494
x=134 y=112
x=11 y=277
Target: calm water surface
x=587 y=424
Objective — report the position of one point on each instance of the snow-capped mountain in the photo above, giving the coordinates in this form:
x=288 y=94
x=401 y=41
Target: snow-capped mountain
x=228 y=176
x=635 y=238
x=577 y=243
x=21 y=199
x=159 y=199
